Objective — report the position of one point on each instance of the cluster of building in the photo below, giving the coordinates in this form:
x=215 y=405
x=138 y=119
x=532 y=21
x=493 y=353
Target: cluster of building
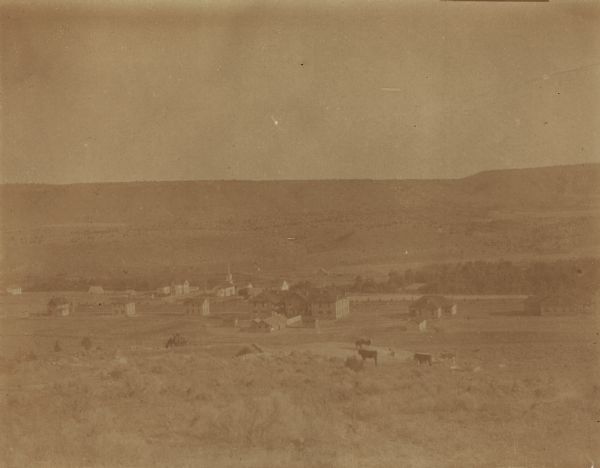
x=226 y=288
x=317 y=303
x=277 y=308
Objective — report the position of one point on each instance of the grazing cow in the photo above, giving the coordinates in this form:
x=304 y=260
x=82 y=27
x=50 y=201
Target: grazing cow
x=363 y=342
x=368 y=354
x=423 y=358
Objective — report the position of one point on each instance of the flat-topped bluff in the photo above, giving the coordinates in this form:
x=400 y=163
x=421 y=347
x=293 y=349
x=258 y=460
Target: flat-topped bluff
x=201 y=202
x=160 y=229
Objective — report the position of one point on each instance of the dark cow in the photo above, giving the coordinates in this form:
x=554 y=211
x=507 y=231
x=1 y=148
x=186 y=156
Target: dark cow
x=368 y=354
x=423 y=358
x=363 y=342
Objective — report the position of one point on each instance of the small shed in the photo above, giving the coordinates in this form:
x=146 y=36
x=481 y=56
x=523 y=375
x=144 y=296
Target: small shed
x=96 y=290
x=59 y=306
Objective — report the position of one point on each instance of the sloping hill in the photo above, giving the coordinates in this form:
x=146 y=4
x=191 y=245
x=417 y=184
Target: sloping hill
x=150 y=229
x=556 y=187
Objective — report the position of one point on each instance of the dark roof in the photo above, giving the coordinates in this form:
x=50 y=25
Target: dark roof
x=224 y=285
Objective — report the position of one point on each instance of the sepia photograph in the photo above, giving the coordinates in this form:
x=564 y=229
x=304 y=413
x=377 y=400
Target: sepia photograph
x=301 y=234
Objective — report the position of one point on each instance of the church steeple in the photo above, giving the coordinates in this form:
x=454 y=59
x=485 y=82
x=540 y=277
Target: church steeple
x=229 y=277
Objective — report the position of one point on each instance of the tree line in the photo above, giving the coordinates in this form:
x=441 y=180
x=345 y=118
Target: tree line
x=492 y=277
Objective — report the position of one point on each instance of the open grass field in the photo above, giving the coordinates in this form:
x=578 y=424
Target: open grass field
x=525 y=392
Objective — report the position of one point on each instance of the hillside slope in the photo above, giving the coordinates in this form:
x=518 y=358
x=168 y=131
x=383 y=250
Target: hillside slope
x=168 y=228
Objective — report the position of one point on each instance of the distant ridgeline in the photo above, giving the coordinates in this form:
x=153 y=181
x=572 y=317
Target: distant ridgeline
x=140 y=234
x=575 y=276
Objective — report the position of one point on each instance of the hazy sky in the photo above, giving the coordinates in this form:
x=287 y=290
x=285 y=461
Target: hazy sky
x=249 y=91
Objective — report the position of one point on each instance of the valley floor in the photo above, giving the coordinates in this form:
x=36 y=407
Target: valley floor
x=525 y=392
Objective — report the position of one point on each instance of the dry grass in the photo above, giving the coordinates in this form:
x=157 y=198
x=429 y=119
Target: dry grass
x=527 y=396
